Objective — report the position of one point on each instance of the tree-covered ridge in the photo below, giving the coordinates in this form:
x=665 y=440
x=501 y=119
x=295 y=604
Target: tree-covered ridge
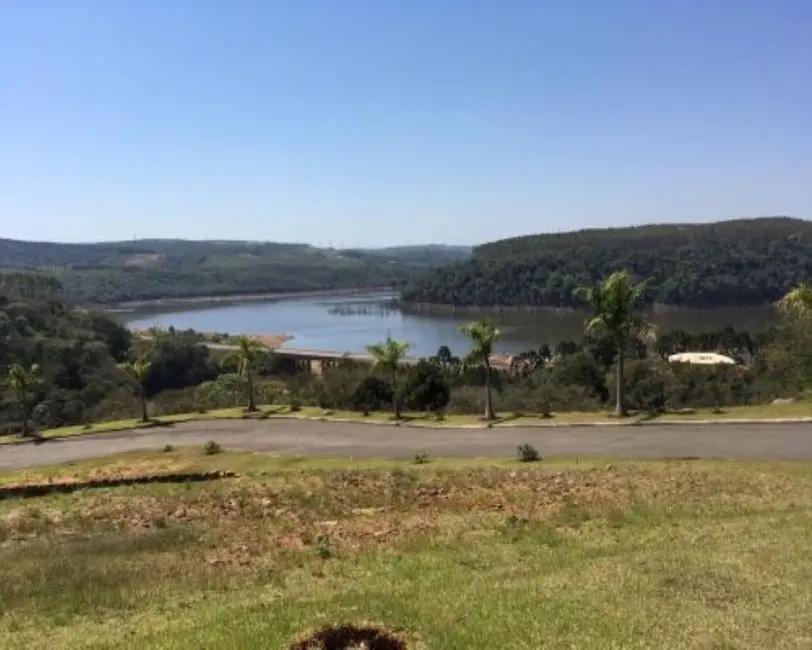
x=739 y=262
x=113 y=272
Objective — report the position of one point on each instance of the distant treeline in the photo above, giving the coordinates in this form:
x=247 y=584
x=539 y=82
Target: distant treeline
x=115 y=272
x=729 y=263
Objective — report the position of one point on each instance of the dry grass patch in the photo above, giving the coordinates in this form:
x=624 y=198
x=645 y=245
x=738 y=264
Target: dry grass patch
x=670 y=555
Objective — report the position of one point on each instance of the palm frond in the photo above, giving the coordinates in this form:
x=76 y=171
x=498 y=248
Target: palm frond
x=798 y=300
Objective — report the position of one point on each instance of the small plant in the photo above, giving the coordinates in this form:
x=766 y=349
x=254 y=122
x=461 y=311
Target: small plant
x=211 y=448
x=323 y=549
x=295 y=405
x=87 y=426
x=169 y=448
x=421 y=459
x=527 y=453
x=439 y=416
x=513 y=521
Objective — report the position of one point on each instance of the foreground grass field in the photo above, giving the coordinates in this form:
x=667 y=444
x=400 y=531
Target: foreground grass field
x=790 y=410
x=455 y=554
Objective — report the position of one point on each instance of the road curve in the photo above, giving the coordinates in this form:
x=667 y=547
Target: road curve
x=314 y=438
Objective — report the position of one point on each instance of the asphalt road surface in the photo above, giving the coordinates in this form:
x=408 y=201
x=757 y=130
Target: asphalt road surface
x=314 y=438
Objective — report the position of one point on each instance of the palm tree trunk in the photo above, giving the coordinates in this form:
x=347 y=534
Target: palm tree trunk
x=25 y=420
x=488 y=396
x=252 y=406
x=395 y=403
x=620 y=405
x=143 y=398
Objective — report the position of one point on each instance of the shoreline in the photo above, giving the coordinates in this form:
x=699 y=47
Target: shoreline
x=655 y=309
x=225 y=340
x=136 y=305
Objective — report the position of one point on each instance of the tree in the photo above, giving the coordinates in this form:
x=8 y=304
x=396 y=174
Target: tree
x=22 y=381
x=615 y=303
x=388 y=356
x=798 y=301
x=138 y=372
x=247 y=356
x=483 y=336
x=425 y=388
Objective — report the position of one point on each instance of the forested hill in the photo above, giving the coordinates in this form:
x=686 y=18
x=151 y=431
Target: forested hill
x=738 y=262
x=112 y=272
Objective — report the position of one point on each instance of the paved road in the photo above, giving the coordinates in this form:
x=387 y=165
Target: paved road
x=313 y=438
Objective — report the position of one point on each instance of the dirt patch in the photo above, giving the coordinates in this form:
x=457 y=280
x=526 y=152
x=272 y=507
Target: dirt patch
x=272 y=340
x=41 y=489
x=351 y=637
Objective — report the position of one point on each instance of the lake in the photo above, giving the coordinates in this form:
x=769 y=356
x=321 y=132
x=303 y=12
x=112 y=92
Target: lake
x=349 y=323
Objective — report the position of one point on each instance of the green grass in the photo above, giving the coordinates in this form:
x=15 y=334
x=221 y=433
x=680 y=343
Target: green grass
x=458 y=554
x=767 y=411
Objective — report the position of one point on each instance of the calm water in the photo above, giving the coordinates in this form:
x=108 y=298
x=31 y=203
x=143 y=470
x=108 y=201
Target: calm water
x=349 y=324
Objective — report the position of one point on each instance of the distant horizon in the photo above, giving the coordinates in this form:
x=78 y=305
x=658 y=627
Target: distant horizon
x=396 y=245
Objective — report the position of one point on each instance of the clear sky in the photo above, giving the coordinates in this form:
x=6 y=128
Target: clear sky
x=377 y=122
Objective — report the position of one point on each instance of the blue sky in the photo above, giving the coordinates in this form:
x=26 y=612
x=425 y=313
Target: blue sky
x=377 y=122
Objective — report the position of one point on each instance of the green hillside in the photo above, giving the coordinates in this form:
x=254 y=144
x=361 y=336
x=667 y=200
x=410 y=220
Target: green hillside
x=738 y=262
x=112 y=272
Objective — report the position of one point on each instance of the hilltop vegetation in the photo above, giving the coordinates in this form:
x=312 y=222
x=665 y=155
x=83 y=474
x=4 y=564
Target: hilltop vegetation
x=106 y=273
x=739 y=262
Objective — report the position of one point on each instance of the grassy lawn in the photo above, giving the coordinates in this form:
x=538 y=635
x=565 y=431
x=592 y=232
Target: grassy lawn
x=801 y=409
x=454 y=554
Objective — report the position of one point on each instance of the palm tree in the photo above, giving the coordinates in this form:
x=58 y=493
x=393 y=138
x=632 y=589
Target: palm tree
x=483 y=336
x=798 y=301
x=22 y=381
x=615 y=303
x=247 y=355
x=387 y=356
x=138 y=372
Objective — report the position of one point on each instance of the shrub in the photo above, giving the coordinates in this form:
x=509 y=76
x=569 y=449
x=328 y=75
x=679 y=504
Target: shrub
x=425 y=388
x=527 y=453
x=648 y=384
x=211 y=448
x=372 y=394
x=421 y=459
x=169 y=448
x=323 y=548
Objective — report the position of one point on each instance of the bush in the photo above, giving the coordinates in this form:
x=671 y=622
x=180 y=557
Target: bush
x=211 y=448
x=323 y=548
x=168 y=449
x=421 y=459
x=527 y=453
x=580 y=371
x=425 y=388
x=372 y=394
x=648 y=384
x=466 y=400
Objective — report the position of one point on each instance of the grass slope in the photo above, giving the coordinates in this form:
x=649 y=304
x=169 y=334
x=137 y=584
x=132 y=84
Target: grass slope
x=789 y=411
x=456 y=554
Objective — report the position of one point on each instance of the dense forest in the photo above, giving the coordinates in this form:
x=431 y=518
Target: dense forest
x=62 y=366
x=729 y=263
x=107 y=273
